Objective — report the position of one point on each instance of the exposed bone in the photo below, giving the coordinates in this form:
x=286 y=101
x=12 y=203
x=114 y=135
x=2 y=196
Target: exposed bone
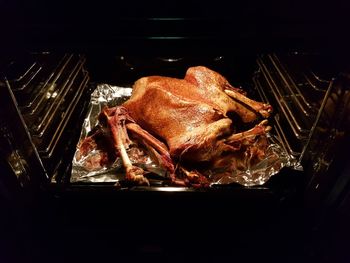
x=153 y=142
x=133 y=173
x=121 y=142
x=159 y=151
x=263 y=108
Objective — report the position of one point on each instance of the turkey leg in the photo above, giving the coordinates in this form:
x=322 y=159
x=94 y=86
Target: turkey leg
x=159 y=151
x=263 y=108
x=121 y=142
x=154 y=143
x=237 y=139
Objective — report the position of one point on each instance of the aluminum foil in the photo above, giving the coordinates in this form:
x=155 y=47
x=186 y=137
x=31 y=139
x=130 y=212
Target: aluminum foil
x=250 y=174
x=256 y=172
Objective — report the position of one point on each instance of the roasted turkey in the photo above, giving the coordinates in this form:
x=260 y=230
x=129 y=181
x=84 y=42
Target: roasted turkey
x=185 y=120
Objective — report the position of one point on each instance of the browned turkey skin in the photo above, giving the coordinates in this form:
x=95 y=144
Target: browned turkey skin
x=184 y=120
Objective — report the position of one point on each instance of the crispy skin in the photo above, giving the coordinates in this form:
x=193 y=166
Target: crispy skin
x=183 y=120
x=189 y=114
x=197 y=87
x=177 y=121
x=210 y=88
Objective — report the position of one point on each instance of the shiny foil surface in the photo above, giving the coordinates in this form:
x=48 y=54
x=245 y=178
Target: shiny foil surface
x=248 y=173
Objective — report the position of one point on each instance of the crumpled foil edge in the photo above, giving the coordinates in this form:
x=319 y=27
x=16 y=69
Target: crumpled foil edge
x=109 y=95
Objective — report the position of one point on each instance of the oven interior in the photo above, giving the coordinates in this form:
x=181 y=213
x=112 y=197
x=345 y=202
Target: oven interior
x=49 y=94
x=45 y=96
x=292 y=55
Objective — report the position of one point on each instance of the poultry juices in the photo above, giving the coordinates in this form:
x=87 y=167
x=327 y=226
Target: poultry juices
x=184 y=124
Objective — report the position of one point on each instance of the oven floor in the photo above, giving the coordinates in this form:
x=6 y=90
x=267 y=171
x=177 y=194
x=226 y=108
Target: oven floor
x=96 y=228
x=187 y=229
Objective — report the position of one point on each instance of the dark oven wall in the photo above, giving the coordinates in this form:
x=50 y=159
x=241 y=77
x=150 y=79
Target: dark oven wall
x=177 y=26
